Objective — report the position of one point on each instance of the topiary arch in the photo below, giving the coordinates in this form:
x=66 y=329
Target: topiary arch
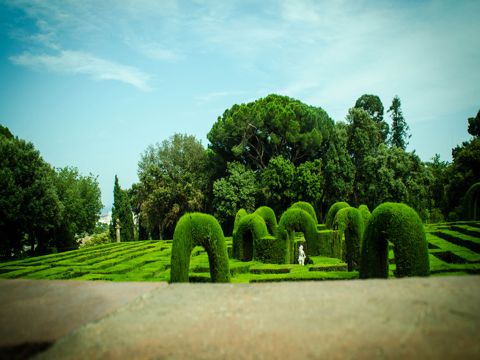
x=471 y=203
x=306 y=207
x=250 y=230
x=333 y=211
x=365 y=212
x=296 y=219
x=240 y=213
x=401 y=225
x=349 y=222
x=196 y=229
x=268 y=215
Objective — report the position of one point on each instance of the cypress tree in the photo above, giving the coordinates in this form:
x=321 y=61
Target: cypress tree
x=121 y=210
x=399 y=132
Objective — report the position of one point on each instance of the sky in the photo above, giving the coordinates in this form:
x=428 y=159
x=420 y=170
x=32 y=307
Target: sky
x=92 y=83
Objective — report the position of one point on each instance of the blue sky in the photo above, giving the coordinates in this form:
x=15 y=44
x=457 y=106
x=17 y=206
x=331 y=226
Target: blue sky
x=93 y=83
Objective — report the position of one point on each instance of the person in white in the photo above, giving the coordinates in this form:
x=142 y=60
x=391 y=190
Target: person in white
x=301 y=255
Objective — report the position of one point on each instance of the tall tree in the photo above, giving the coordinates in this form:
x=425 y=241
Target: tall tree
x=399 y=133
x=231 y=193
x=173 y=178
x=123 y=212
x=254 y=133
x=278 y=184
x=474 y=125
x=374 y=108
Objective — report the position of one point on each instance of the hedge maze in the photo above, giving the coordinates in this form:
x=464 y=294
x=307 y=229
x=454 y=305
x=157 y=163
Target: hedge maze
x=393 y=243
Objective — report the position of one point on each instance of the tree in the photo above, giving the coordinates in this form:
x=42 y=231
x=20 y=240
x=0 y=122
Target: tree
x=338 y=169
x=474 y=125
x=81 y=206
x=374 y=108
x=237 y=190
x=173 y=180
x=277 y=184
x=122 y=211
x=29 y=205
x=438 y=170
x=399 y=134
x=254 y=133
x=308 y=182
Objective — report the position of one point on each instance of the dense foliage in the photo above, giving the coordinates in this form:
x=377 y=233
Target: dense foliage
x=349 y=223
x=121 y=214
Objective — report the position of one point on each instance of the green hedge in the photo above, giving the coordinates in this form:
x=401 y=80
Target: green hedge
x=296 y=219
x=401 y=225
x=269 y=249
x=268 y=215
x=333 y=211
x=471 y=203
x=306 y=207
x=366 y=214
x=196 y=229
x=250 y=230
x=329 y=244
x=240 y=213
x=349 y=224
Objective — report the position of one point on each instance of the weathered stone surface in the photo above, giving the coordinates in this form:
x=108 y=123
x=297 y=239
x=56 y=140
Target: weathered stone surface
x=423 y=318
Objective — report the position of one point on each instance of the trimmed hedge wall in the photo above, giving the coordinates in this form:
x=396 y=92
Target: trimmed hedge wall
x=366 y=214
x=401 y=225
x=197 y=229
x=296 y=219
x=252 y=241
x=471 y=203
x=328 y=244
x=240 y=213
x=333 y=211
x=349 y=222
x=307 y=207
x=268 y=215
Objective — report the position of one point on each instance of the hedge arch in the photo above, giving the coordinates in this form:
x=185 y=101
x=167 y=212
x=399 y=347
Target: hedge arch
x=251 y=229
x=471 y=203
x=366 y=214
x=306 y=207
x=240 y=213
x=197 y=229
x=349 y=222
x=296 y=219
x=268 y=215
x=333 y=211
x=401 y=225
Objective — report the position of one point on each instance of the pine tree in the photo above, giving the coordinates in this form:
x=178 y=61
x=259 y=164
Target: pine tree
x=121 y=210
x=399 y=131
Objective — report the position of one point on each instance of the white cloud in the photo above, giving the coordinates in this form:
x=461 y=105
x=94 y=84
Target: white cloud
x=76 y=62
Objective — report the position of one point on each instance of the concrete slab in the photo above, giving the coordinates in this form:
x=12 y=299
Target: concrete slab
x=423 y=318
x=35 y=313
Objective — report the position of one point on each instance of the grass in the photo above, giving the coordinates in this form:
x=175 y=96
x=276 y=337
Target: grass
x=451 y=246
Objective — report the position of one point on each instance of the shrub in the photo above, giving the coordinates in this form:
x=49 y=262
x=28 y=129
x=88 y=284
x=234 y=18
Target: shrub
x=349 y=222
x=333 y=211
x=436 y=216
x=471 y=203
x=268 y=215
x=240 y=213
x=250 y=230
x=365 y=212
x=329 y=244
x=97 y=239
x=306 y=207
x=269 y=250
x=399 y=224
x=296 y=219
x=195 y=229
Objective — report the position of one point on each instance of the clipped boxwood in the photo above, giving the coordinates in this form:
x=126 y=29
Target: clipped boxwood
x=307 y=207
x=471 y=203
x=329 y=244
x=269 y=249
x=333 y=211
x=365 y=212
x=240 y=213
x=197 y=229
x=349 y=224
x=296 y=219
x=401 y=225
x=268 y=215
x=250 y=230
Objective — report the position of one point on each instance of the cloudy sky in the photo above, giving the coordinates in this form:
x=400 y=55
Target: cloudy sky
x=93 y=83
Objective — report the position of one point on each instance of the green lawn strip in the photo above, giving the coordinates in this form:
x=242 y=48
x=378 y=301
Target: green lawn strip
x=306 y=276
x=111 y=261
x=324 y=260
x=15 y=274
x=135 y=264
x=467 y=230
x=271 y=268
x=460 y=239
x=444 y=245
